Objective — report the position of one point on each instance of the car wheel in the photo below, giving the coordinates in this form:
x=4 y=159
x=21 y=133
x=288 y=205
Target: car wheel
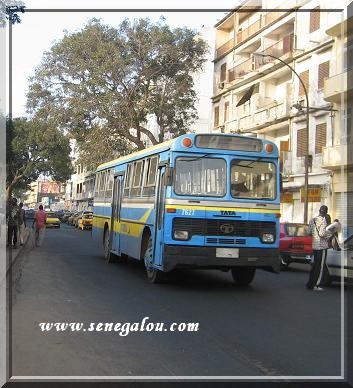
x=243 y=276
x=153 y=275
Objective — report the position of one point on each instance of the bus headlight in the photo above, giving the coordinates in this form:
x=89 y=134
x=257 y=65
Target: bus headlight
x=181 y=235
x=268 y=238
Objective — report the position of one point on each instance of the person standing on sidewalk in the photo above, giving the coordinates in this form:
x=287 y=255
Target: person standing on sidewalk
x=21 y=223
x=39 y=221
x=317 y=227
x=13 y=214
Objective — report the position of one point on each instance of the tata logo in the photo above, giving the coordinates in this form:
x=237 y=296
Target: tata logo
x=228 y=213
x=226 y=228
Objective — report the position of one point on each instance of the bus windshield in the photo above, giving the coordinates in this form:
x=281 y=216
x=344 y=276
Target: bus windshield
x=253 y=179
x=200 y=176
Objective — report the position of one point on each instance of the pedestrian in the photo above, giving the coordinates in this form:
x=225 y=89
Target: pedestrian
x=40 y=218
x=319 y=271
x=13 y=214
x=21 y=223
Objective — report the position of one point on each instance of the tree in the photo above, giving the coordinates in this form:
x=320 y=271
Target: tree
x=33 y=149
x=10 y=12
x=108 y=80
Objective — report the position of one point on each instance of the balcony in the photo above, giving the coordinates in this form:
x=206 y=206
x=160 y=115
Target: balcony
x=240 y=70
x=224 y=48
x=286 y=6
x=332 y=157
x=283 y=47
x=333 y=87
x=249 y=31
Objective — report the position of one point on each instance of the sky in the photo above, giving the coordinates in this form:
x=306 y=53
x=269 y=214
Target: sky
x=38 y=31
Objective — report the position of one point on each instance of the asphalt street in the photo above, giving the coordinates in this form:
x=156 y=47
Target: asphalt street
x=275 y=327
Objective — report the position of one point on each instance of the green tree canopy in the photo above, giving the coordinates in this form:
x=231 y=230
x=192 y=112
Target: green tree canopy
x=34 y=149
x=103 y=82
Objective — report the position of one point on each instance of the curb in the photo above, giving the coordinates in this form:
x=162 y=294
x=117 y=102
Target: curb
x=14 y=253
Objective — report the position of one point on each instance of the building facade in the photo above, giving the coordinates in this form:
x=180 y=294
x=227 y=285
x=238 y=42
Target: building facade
x=269 y=58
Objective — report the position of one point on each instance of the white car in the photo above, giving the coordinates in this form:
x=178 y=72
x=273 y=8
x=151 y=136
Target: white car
x=334 y=260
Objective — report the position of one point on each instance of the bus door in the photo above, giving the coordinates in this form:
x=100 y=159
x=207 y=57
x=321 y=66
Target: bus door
x=116 y=206
x=159 y=220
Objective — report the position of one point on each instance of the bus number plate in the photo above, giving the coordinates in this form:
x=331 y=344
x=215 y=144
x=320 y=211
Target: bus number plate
x=232 y=253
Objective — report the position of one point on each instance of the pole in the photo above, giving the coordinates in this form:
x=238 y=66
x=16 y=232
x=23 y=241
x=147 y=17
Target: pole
x=306 y=158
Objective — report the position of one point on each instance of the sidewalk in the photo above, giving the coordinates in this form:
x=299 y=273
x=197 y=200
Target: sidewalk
x=12 y=254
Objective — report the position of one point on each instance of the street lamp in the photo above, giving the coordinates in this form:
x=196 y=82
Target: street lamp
x=306 y=159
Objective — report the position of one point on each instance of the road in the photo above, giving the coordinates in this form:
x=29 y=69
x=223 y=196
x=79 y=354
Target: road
x=275 y=327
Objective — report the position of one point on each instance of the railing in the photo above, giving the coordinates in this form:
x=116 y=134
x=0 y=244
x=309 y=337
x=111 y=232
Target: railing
x=249 y=31
x=240 y=70
x=280 y=48
x=224 y=48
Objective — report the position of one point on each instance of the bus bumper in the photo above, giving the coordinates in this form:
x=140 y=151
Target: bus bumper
x=205 y=257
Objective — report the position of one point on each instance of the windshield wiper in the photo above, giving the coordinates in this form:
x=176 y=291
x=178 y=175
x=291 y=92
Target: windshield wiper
x=197 y=158
x=249 y=165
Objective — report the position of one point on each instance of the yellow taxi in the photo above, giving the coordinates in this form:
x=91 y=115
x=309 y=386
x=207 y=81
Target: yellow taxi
x=85 y=220
x=52 y=220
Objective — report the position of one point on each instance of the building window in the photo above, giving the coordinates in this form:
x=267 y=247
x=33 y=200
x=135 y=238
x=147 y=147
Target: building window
x=324 y=73
x=315 y=19
x=216 y=117
x=305 y=78
x=320 y=137
x=348 y=54
x=226 y=112
x=223 y=72
x=302 y=142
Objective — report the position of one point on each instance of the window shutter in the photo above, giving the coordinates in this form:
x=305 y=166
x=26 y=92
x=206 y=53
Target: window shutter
x=305 y=78
x=320 y=137
x=324 y=72
x=315 y=19
x=302 y=142
x=216 y=116
x=223 y=72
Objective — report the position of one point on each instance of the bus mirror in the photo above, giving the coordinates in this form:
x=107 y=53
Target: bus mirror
x=280 y=183
x=168 y=176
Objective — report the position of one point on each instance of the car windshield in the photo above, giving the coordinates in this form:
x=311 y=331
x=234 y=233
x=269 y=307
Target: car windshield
x=297 y=230
x=200 y=176
x=51 y=215
x=88 y=216
x=253 y=179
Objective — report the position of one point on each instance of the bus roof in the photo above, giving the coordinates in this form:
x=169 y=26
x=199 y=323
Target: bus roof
x=176 y=143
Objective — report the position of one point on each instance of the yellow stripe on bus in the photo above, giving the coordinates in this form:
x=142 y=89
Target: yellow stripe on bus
x=233 y=209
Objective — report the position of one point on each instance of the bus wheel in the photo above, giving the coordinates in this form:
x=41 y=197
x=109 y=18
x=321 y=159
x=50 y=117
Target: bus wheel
x=107 y=253
x=153 y=275
x=243 y=276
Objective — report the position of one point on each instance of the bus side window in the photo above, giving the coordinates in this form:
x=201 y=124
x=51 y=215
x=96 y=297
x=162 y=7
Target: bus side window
x=150 y=180
x=109 y=184
x=96 y=187
x=127 y=182
x=137 y=179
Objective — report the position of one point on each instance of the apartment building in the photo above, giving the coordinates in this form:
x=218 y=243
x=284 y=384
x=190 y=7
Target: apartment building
x=270 y=57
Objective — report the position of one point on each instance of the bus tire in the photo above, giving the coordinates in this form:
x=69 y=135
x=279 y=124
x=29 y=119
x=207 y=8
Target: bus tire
x=154 y=276
x=243 y=276
x=106 y=242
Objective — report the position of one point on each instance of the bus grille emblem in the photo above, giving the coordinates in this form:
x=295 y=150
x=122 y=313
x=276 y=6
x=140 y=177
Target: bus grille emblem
x=226 y=228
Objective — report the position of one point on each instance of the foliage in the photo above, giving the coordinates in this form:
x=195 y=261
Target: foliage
x=10 y=11
x=101 y=83
x=32 y=150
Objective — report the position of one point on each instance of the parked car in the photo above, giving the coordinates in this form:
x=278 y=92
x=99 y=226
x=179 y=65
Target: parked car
x=85 y=221
x=52 y=220
x=295 y=243
x=66 y=216
x=334 y=260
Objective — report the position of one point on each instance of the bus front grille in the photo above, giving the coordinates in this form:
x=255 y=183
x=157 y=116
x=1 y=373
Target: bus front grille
x=227 y=228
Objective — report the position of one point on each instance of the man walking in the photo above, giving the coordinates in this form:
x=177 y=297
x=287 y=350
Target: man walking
x=40 y=219
x=317 y=227
x=21 y=223
x=13 y=214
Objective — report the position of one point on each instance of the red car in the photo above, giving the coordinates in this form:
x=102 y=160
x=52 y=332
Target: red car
x=295 y=243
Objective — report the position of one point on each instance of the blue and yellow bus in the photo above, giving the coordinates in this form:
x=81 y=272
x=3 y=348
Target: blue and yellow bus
x=206 y=201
